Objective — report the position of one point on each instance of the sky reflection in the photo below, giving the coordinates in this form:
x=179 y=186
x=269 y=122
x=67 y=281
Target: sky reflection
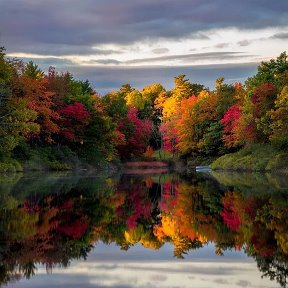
x=108 y=266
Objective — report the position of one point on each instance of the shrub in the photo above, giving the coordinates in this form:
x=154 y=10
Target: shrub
x=253 y=158
x=6 y=167
x=58 y=166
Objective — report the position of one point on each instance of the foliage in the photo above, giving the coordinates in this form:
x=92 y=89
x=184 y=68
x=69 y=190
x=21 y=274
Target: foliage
x=53 y=109
x=74 y=118
x=230 y=126
x=253 y=158
x=279 y=117
x=137 y=134
x=273 y=71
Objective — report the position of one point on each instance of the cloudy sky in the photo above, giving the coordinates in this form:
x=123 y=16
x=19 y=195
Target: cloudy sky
x=108 y=266
x=141 y=42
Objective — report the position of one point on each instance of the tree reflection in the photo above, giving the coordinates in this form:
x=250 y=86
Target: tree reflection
x=41 y=225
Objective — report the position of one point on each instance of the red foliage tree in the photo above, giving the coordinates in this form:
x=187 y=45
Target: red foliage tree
x=263 y=99
x=75 y=229
x=230 y=213
x=136 y=206
x=74 y=118
x=230 y=123
x=169 y=137
x=137 y=135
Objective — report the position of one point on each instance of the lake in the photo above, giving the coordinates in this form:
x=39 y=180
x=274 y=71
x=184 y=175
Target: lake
x=161 y=230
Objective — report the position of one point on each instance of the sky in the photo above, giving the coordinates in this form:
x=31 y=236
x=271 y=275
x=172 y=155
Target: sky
x=112 y=42
x=108 y=266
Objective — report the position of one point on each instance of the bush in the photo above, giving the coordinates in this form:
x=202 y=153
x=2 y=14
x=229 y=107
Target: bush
x=23 y=151
x=17 y=165
x=280 y=143
x=47 y=158
x=278 y=163
x=7 y=168
x=58 y=166
x=254 y=158
x=10 y=166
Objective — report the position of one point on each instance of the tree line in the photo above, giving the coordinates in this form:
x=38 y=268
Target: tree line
x=55 y=111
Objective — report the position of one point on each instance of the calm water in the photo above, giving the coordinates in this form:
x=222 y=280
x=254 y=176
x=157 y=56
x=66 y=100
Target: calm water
x=208 y=230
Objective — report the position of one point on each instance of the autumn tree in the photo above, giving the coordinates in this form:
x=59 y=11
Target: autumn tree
x=16 y=124
x=230 y=123
x=182 y=87
x=186 y=127
x=40 y=100
x=279 y=117
x=17 y=119
x=197 y=120
x=74 y=118
x=274 y=72
x=134 y=99
x=137 y=135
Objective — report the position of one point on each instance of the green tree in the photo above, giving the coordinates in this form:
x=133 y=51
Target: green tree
x=274 y=71
x=32 y=71
x=279 y=117
x=5 y=78
x=16 y=124
x=115 y=106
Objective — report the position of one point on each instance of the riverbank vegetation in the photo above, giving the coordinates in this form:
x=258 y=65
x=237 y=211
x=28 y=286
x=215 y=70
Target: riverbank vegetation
x=53 y=121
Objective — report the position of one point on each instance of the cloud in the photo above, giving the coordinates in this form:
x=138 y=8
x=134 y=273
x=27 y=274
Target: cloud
x=185 y=58
x=243 y=283
x=71 y=26
x=160 y=50
x=192 y=57
x=65 y=50
x=104 y=61
x=105 y=79
x=48 y=61
x=158 y=278
x=282 y=36
x=222 y=45
x=222 y=281
x=244 y=43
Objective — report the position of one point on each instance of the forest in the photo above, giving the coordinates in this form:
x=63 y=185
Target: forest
x=51 y=121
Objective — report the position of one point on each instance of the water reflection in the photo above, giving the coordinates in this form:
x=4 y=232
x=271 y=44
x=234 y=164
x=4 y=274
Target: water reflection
x=53 y=219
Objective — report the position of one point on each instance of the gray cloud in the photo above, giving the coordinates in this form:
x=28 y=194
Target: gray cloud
x=104 y=61
x=283 y=35
x=160 y=50
x=158 y=278
x=75 y=26
x=44 y=63
x=243 y=283
x=222 y=45
x=74 y=281
x=222 y=281
x=63 y=50
x=244 y=43
x=193 y=269
x=191 y=57
x=105 y=79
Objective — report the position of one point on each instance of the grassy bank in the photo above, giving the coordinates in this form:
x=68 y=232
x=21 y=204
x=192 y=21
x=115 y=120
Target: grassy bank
x=254 y=158
x=53 y=158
